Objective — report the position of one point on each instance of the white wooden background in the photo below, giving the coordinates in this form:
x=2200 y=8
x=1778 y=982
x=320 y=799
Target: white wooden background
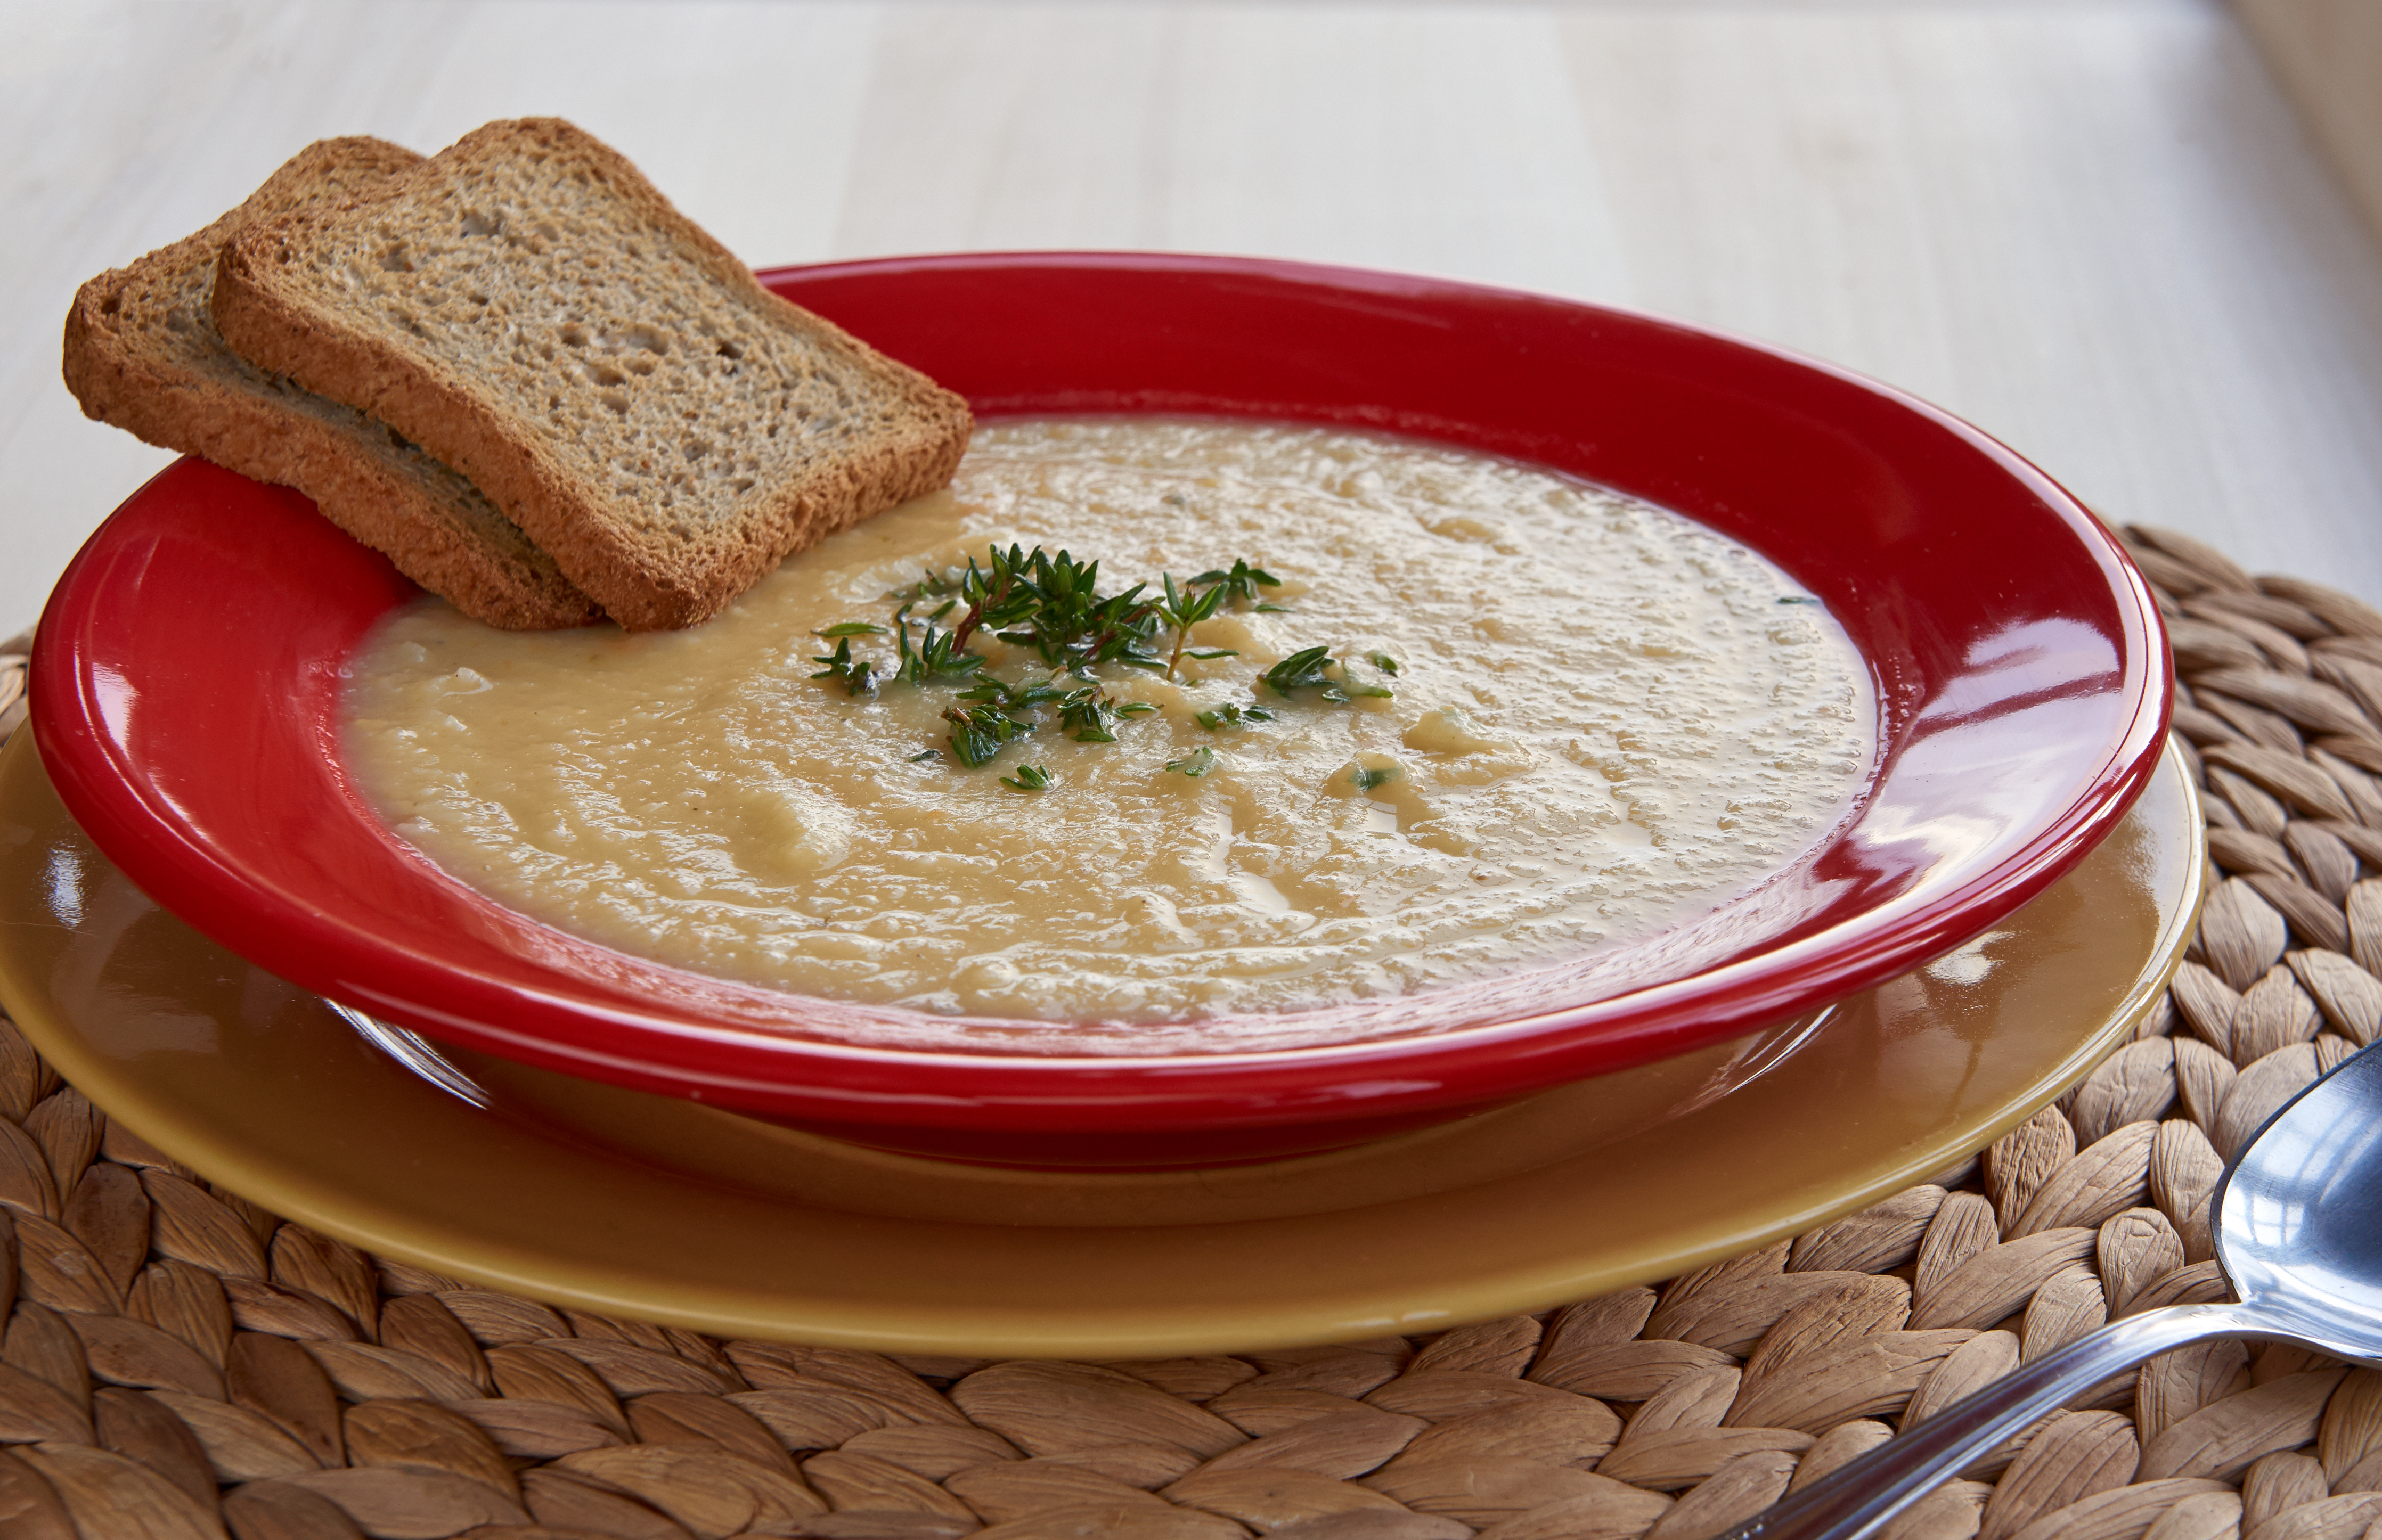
x=2091 y=226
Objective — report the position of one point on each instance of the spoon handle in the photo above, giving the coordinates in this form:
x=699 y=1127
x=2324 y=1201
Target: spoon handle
x=1852 y=1501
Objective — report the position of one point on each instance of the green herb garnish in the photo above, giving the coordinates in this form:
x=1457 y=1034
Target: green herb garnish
x=852 y=673
x=1018 y=696
x=1366 y=780
x=1304 y=670
x=1072 y=627
x=1052 y=607
x=1309 y=668
x=1001 y=597
x=1231 y=714
x=1088 y=715
x=1184 y=608
x=938 y=658
x=978 y=731
x=1241 y=584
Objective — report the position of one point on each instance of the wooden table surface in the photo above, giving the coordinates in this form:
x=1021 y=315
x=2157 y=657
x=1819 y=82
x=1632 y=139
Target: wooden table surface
x=2091 y=226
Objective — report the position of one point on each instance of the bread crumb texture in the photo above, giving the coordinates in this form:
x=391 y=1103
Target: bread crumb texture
x=142 y=354
x=528 y=306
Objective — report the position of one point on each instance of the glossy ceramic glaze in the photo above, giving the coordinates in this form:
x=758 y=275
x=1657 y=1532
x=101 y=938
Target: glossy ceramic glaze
x=730 y=1225
x=187 y=686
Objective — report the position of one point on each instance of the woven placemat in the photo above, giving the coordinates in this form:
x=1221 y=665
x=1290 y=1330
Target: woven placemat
x=179 y=1362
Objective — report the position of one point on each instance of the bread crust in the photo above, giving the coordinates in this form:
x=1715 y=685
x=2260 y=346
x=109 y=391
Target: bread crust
x=332 y=297
x=141 y=354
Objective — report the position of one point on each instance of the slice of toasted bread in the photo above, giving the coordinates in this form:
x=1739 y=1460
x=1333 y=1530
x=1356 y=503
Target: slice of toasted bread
x=525 y=306
x=143 y=353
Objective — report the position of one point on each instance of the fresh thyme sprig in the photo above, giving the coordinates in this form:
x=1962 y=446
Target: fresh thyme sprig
x=978 y=731
x=1073 y=628
x=1184 y=608
x=937 y=659
x=1091 y=715
x=1310 y=669
x=1302 y=671
x=852 y=673
x=1241 y=584
x=1231 y=714
x=996 y=598
x=1020 y=696
x=1052 y=607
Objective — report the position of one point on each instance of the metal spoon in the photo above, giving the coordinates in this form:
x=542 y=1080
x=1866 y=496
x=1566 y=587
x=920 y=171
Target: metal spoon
x=2297 y=1218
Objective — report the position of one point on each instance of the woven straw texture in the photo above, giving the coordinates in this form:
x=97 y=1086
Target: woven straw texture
x=178 y=1364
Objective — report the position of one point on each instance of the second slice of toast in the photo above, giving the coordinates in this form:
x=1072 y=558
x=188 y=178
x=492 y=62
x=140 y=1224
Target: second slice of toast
x=530 y=310
x=141 y=353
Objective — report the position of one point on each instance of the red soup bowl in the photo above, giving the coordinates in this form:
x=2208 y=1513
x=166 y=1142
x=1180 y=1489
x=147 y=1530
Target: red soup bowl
x=188 y=678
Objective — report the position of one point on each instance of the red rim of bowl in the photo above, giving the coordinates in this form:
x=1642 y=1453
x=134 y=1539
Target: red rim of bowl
x=186 y=672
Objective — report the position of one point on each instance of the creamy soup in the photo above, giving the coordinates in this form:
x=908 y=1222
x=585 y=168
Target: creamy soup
x=1553 y=720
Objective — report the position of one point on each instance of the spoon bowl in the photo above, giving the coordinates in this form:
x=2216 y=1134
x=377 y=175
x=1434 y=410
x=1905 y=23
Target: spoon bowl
x=2298 y=1222
x=2299 y=1215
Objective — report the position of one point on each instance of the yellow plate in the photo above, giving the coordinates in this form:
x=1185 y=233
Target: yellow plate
x=262 y=1088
